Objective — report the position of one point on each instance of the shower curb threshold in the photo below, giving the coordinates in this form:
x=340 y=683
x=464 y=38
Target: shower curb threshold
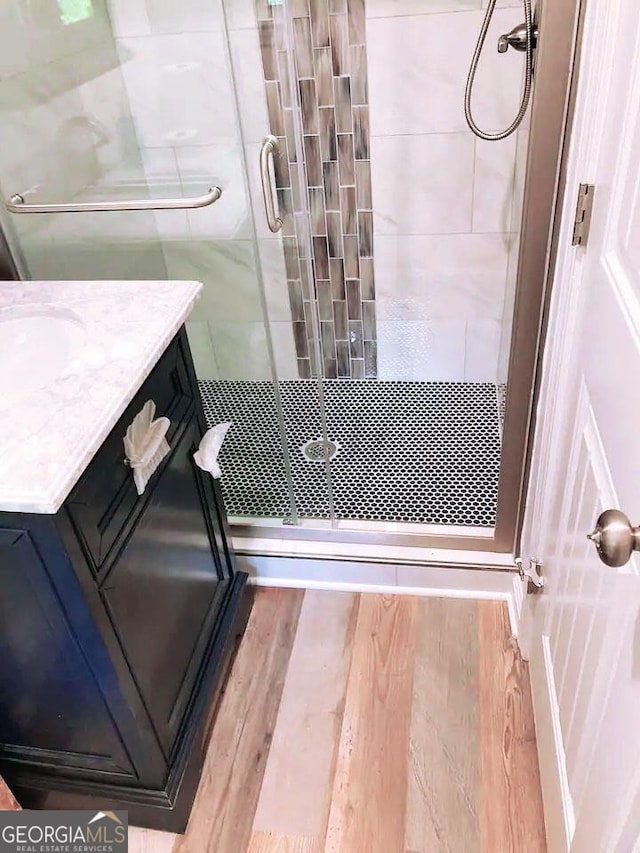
x=438 y=574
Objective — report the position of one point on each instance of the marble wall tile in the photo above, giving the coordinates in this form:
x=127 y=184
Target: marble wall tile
x=191 y=16
x=228 y=271
x=422 y=184
x=507 y=313
x=241 y=350
x=464 y=277
x=252 y=100
x=284 y=351
x=493 y=185
x=242 y=14
x=394 y=8
x=421 y=351
x=503 y=4
x=417 y=73
x=202 y=166
x=482 y=348
x=129 y=18
x=276 y=285
x=159 y=69
x=202 y=349
x=161 y=171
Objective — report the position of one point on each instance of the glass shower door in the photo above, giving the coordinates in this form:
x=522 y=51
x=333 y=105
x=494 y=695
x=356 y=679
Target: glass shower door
x=402 y=266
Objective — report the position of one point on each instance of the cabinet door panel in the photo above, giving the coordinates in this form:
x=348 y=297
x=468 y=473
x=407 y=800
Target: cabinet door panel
x=105 y=500
x=52 y=711
x=164 y=589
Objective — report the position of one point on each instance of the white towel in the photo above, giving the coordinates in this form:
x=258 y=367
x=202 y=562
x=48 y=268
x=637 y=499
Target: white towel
x=206 y=456
x=145 y=444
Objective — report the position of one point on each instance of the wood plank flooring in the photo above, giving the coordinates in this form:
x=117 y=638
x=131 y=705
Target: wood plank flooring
x=369 y=724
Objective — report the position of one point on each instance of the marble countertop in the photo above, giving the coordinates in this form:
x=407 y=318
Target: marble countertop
x=49 y=436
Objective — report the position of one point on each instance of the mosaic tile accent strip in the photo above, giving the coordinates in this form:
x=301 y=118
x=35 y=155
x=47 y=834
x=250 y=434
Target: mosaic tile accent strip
x=330 y=55
x=412 y=452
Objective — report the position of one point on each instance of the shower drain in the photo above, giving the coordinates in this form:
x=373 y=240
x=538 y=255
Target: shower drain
x=314 y=450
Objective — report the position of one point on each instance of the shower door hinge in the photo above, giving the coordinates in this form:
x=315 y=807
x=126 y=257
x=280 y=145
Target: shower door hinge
x=533 y=574
x=584 y=209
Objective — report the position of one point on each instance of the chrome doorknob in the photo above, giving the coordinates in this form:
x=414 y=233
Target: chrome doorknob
x=615 y=538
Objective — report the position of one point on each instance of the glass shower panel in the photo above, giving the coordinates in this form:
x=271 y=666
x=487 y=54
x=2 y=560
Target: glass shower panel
x=408 y=227
x=123 y=100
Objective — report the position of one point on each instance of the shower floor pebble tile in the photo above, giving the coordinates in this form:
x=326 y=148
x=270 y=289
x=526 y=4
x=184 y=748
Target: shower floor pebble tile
x=408 y=452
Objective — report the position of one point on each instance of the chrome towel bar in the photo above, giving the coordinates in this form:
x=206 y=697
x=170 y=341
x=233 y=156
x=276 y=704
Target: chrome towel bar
x=17 y=204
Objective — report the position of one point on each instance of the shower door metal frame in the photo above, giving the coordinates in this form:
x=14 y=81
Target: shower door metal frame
x=556 y=69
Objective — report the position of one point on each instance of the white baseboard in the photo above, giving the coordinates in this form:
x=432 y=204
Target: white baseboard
x=390 y=578
x=559 y=814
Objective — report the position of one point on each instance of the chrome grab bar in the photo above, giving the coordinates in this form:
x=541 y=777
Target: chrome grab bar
x=269 y=149
x=17 y=204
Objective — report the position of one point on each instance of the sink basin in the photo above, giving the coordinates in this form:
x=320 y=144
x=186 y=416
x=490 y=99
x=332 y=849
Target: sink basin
x=37 y=342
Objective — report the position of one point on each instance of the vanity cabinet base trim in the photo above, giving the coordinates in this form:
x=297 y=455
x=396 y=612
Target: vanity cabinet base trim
x=168 y=808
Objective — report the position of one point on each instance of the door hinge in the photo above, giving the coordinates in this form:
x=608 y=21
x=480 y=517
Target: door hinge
x=584 y=209
x=533 y=574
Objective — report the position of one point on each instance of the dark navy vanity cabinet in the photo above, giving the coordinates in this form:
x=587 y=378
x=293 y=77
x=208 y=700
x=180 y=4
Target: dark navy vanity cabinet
x=118 y=617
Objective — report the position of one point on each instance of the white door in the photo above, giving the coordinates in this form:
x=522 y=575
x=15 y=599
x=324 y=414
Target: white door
x=582 y=632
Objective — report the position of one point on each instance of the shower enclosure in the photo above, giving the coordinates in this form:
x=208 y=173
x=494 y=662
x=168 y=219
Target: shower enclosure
x=360 y=343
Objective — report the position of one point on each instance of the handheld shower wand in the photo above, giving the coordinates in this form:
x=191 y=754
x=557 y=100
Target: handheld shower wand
x=522 y=38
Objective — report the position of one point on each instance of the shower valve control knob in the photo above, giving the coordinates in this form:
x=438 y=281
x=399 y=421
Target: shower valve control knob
x=516 y=39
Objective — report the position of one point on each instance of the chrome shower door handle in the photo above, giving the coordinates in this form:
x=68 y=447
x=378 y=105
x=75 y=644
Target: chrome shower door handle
x=17 y=204
x=268 y=151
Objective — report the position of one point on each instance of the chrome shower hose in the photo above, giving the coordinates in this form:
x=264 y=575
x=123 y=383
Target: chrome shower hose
x=528 y=82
